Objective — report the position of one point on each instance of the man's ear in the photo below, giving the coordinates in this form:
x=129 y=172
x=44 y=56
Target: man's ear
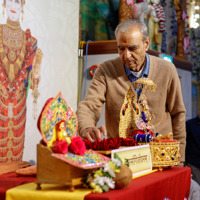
x=147 y=43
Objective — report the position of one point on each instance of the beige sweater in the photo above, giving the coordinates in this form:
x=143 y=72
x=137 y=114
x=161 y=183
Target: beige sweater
x=109 y=86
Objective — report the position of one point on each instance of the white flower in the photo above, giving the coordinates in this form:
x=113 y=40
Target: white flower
x=99 y=180
x=109 y=170
x=109 y=182
x=103 y=180
x=117 y=162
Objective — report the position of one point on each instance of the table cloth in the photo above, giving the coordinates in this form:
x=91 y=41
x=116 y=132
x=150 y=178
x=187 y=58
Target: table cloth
x=173 y=183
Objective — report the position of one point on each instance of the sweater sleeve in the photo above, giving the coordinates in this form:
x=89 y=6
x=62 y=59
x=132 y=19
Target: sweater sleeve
x=177 y=111
x=89 y=109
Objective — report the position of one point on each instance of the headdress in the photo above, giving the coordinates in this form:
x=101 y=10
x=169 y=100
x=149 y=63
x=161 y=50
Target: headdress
x=22 y=1
x=4 y=6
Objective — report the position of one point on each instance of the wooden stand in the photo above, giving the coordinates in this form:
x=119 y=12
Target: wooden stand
x=54 y=171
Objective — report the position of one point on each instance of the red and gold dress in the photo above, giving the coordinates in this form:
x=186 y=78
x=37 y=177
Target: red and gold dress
x=17 y=50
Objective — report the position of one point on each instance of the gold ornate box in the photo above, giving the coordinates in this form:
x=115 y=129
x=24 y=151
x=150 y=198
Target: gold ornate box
x=165 y=153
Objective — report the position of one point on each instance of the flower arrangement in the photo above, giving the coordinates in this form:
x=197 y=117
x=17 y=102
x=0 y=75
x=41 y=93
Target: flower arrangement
x=108 y=177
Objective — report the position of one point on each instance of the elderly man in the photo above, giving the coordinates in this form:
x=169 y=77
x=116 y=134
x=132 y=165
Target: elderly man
x=113 y=77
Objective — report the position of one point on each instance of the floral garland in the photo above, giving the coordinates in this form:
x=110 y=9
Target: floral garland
x=161 y=16
x=103 y=179
x=109 y=144
x=22 y=73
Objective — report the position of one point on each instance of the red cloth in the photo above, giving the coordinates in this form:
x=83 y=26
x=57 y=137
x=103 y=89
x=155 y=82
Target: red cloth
x=173 y=184
x=10 y=180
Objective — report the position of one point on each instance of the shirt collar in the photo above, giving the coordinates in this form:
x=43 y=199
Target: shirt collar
x=146 y=68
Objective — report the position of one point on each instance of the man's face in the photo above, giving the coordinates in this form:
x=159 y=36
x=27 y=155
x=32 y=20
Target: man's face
x=13 y=9
x=132 y=49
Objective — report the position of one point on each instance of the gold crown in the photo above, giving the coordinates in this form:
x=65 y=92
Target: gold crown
x=22 y=1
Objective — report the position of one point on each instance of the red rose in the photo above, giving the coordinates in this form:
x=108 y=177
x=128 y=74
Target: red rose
x=77 y=146
x=60 y=147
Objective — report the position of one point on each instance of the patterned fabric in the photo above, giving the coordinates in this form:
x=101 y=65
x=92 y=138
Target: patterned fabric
x=14 y=79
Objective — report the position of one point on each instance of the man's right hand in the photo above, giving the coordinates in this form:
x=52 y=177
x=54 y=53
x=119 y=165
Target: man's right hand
x=93 y=133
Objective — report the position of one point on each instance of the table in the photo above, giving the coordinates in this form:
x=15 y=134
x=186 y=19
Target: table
x=173 y=184
x=10 y=180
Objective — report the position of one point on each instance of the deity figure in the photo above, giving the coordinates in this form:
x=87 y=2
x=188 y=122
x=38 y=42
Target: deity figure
x=20 y=62
x=156 y=23
x=59 y=134
x=140 y=10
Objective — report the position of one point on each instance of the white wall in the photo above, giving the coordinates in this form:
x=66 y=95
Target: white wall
x=55 y=24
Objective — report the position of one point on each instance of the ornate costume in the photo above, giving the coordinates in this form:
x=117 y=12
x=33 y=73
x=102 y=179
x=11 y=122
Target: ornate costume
x=134 y=114
x=17 y=51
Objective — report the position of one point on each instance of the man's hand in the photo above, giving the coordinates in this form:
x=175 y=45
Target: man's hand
x=93 y=133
